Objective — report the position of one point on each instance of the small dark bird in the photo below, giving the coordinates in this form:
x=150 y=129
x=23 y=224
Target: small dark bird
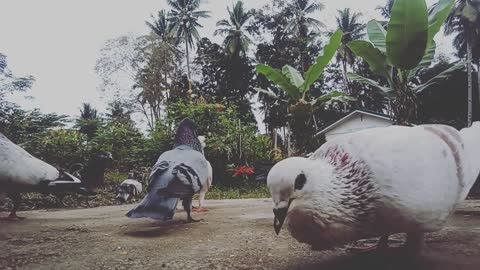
x=128 y=190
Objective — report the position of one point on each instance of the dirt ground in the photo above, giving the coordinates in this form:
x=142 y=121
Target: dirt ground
x=237 y=234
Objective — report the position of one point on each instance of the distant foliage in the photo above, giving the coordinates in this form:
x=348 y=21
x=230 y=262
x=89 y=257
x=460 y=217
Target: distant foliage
x=230 y=142
x=89 y=122
x=20 y=125
x=225 y=79
x=61 y=148
x=11 y=83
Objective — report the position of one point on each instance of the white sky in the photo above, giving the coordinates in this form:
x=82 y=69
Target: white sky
x=58 y=41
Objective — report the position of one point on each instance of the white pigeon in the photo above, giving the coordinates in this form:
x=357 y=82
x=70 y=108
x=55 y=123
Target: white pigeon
x=128 y=190
x=21 y=172
x=203 y=191
x=178 y=174
x=374 y=183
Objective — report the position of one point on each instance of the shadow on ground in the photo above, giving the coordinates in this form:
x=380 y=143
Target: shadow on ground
x=394 y=259
x=157 y=229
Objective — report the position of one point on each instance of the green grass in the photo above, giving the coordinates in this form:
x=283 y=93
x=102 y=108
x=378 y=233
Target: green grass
x=106 y=196
x=250 y=191
x=115 y=176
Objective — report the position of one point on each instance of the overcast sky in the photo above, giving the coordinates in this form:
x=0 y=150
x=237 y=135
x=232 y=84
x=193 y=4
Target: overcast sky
x=58 y=41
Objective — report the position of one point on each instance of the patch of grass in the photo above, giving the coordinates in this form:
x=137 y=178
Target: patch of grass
x=115 y=177
x=250 y=191
x=106 y=195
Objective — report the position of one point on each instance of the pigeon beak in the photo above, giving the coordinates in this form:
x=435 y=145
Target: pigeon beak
x=280 y=215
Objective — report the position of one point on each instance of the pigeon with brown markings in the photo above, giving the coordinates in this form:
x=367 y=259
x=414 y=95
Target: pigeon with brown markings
x=374 y=183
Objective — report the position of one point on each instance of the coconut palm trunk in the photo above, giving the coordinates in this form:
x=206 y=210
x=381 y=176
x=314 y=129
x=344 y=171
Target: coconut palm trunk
x=470 y=82
x=187 y=55
x=478 y=80
x=345 y=78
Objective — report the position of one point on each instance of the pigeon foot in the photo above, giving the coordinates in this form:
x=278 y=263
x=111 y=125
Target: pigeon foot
x=382 y=245
x=192 y=220
x=199 y=209
x=12 y=217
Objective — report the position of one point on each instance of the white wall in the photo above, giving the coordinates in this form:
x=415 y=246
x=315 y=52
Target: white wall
x=355 y=123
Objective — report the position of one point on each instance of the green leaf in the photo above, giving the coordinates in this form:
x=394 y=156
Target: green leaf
x=335 y=96
x=370 y=82
x=442 y=76
x=293 y=75
x=407 y=33
x=376 y=60
x=316 y=70
x=277 y=77
x=269 y=93
x=437 y=17
x=426 y=61
x=377 y=35
x=326 y=97
x=340 y=99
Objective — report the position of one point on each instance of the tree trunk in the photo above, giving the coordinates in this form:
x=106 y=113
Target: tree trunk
x=345 y=78
x=188 y=69
x=478 y=83
x=404 y=105
x=275 y=138
x=470 y=83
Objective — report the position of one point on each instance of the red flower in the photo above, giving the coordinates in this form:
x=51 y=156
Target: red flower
x=243 y=170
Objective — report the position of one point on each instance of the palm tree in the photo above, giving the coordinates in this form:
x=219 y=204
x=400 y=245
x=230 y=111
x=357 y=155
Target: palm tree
x=236 y=29
x=302 y=22
x=352 y=30
x=161 y=28
x=386 y=10
x=464 y=21
x=183 y=24
x=120 y=111
x=159 y=25
x=89 y=122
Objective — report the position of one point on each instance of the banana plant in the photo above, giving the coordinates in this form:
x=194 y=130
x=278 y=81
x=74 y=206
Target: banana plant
x=401 y=52
x=296 y=86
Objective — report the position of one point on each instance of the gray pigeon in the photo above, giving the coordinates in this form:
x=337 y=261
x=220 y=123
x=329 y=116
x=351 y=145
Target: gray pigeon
x=178 y=174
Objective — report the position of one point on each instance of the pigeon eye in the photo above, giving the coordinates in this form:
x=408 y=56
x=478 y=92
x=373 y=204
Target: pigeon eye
x=300 y=181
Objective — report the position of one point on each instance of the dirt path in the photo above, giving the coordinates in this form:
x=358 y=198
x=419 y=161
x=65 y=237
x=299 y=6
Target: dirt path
x=238 y=235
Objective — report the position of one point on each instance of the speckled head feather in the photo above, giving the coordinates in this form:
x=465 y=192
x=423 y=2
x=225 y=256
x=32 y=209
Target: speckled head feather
x=186 y=135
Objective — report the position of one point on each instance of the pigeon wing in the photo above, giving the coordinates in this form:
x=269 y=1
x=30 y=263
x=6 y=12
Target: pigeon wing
x=186 y=182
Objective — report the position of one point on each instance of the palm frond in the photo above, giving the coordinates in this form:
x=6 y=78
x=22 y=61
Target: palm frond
x=223 y=23
x=314 y=7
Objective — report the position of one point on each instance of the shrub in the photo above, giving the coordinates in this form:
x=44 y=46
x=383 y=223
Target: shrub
x=229 y=141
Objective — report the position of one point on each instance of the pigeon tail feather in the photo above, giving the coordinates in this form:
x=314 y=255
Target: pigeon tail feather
x=155 y=207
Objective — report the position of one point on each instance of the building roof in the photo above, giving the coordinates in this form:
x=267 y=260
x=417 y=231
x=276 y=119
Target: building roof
x=350 y=115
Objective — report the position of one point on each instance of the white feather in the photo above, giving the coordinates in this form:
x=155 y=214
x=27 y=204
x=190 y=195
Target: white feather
x=19 y=168
x=416 y=177
x=205 y=188
x=135 y=183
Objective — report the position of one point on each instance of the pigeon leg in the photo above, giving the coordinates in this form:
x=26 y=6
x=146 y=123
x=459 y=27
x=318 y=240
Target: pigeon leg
x=380 y=246
x=187 y=205
x=17 y=199
x=201 y=199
